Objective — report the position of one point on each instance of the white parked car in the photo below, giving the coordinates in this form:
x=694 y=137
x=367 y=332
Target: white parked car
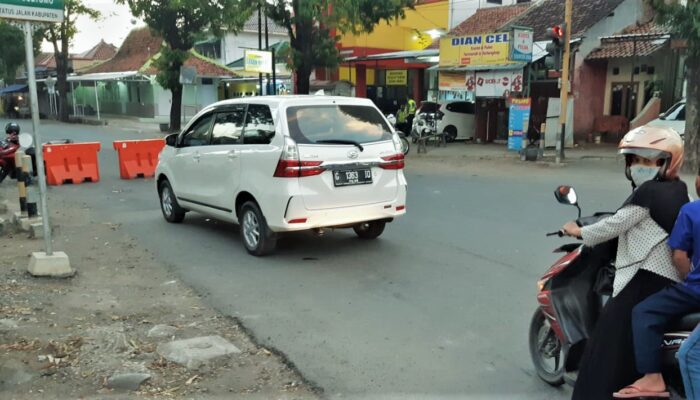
x=458 y=120
x=673 y=118
x=285 y=163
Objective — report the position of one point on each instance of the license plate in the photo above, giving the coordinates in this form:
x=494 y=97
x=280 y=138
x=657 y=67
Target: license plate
x=352 y=177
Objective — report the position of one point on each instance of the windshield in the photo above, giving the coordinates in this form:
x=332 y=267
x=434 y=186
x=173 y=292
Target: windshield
x=675 y=113
x=429 y=107
x=331 y=124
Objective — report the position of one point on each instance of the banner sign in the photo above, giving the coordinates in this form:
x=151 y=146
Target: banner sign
x=452 y=81
x=495 y=83
x=396 y=77
x=257 y=61
x=518 y=122
x=487 y=49
x=32 y=10
x=521 y=49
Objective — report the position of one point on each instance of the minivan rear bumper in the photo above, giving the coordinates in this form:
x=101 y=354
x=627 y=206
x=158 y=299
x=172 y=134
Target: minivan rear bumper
x=298 y=218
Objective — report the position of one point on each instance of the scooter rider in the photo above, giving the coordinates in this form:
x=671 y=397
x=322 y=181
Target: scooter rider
x=643 y=261
x=12 y=132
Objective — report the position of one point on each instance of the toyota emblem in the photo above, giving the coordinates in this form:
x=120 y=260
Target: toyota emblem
x=353 y=154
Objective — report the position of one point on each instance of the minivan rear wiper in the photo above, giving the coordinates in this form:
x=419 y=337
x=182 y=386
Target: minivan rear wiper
x=341 y=141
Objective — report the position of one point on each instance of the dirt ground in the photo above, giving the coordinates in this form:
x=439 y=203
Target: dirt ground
x=64 y=338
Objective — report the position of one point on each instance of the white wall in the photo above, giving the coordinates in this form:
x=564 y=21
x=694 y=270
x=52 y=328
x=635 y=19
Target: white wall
x=232 y=46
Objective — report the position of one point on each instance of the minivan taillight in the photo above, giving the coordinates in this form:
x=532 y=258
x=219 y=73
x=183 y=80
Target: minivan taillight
x=395 y=161
x=298 y=169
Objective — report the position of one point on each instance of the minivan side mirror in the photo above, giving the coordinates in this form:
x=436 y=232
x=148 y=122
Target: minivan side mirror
x=171 y=140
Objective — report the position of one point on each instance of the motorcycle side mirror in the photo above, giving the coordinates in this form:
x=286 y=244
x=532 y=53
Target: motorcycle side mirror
x=25 y=140
x=171 y=140
x=567 y=195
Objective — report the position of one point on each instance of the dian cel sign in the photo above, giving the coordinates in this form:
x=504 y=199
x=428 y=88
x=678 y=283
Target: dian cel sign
x=258 y=61
x=32 y=10
x=488 y=49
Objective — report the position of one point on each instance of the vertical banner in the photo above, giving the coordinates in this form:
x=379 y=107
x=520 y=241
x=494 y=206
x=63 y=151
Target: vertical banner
x=518 y=121
x=521 y=45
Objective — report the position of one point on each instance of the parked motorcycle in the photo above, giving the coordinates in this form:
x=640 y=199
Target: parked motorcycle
x=406 y=147
x=424 y=124
x=571 y=295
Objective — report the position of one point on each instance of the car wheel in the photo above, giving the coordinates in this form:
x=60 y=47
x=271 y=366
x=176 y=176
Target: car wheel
x=172 y=212
x=369 y=230
x=258 y=239
x=450 y=134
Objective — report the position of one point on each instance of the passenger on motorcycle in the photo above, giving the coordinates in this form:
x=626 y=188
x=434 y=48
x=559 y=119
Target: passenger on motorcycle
x=12 y=132
x=652 y=316
x=643 y=263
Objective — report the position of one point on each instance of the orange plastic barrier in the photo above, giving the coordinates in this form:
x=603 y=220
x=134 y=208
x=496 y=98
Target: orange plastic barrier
x=138 y=158
x=71 y=163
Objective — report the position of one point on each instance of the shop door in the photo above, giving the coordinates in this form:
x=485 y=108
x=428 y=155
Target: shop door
x=623 y=100
x=486 y=119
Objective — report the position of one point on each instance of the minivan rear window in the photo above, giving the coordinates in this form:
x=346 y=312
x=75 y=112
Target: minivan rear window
x=315 y=123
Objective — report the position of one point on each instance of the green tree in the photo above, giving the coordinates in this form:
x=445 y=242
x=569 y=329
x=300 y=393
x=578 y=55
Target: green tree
x=309 y=24
x=60 y=35
x=684 y=22
x=181 y=23
x=12 y=49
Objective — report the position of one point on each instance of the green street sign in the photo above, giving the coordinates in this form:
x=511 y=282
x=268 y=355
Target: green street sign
x=32 y=10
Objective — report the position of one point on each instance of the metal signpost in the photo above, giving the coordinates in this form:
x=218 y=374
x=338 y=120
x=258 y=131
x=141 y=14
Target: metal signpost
x=38 y=11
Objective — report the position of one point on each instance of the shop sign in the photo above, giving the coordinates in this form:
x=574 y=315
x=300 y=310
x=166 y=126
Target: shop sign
x=518 y=122
x=521 y=49
x=486 y=49
x=258 y=61
x=452 y=81
x=32 y=10
x=495 y=83
x=396 y=77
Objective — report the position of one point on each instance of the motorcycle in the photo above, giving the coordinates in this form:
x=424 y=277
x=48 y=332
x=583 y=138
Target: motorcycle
x=571 y=295
x=424 y=124
x=9 y=147
x=405 y=146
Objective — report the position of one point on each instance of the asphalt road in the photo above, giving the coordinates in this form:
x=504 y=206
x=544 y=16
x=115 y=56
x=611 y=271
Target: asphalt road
x=438 y=307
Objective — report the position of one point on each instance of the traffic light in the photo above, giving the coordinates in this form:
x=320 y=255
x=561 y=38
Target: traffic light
x=555 y=48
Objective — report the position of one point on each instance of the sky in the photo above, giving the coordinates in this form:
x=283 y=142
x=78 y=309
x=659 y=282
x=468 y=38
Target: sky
x=115 y=25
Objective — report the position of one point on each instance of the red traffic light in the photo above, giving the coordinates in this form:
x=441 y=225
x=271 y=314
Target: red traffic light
x=556 y=32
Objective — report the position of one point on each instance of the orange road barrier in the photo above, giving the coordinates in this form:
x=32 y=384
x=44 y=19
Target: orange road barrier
x=138 y=158
x=71 y=163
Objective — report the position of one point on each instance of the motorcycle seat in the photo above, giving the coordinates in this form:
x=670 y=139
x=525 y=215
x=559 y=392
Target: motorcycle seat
x=687 y=322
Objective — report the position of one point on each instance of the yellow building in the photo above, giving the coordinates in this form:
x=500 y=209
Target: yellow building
x=417 y=31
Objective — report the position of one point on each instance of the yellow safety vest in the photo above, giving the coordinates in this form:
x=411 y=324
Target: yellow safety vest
x=411 y=107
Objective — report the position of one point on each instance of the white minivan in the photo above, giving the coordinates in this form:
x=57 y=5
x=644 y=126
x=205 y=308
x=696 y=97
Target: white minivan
x=277 y=164
x=457 y=120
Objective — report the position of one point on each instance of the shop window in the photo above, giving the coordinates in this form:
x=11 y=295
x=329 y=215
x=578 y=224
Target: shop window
x=495 y=1
x=616 y=71
x=636 y=70
x=651 y=70
x=207 y=81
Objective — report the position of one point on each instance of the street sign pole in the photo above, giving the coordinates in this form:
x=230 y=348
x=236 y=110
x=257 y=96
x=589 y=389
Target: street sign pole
x=39 y=151
x=564 y=94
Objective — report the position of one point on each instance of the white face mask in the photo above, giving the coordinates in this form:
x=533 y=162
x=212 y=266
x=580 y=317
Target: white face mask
x=641 y=174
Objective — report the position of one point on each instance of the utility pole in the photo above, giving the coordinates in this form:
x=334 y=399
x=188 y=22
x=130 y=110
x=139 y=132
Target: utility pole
x=564 y=94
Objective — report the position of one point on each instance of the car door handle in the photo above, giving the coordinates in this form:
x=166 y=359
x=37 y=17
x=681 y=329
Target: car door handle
x=232 y=154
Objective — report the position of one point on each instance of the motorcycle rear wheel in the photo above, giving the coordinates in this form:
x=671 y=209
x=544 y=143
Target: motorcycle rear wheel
x=546 y=347
x=405 y=145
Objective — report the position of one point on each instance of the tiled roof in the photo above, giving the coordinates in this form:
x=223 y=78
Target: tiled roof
x=549 y=13
x=635 y=40
x=487 y=20
x=251 y=25
x=135 y=52
x=101 y=51
x=45 y=60
x=140 y=47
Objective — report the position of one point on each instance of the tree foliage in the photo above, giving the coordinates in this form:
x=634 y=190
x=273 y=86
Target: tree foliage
x=60 y=35
x=12 y=50
x=684 y=22
x=181 y=23
x=309 y=24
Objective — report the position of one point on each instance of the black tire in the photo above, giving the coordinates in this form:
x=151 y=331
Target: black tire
x=543 y=342
x=405 y=145
x=450 y=134
x=257 y=237
x=3 y=173
x=172 y=212
x=369 y=230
